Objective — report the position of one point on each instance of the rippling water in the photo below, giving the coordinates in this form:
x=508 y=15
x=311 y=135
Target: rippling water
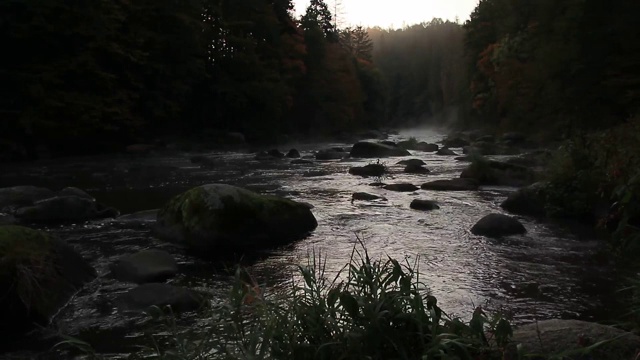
x=547 y=273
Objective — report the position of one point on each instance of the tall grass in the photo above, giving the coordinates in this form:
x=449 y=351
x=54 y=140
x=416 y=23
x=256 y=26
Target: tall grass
x=372 y=309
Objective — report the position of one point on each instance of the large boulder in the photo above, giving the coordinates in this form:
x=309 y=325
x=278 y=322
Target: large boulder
x=498 y=225
x=12 y=198
x=368 y=170
x=180 y=299
x=528 y=200
x=571 y=337
x=61 y=209
x=217 y=217
x=39 y=273
x=366 y=149
x=451 y=185
x=491 y=172
x=144 y=266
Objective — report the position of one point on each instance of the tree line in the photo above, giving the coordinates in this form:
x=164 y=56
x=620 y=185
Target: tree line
x=95 y=75
x=554 y=67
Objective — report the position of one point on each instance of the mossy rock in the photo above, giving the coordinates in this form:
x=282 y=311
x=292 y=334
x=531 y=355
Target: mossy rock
x=38 y=275
x=217 y=217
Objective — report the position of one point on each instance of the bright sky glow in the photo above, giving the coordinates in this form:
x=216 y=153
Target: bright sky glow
x=396 y=13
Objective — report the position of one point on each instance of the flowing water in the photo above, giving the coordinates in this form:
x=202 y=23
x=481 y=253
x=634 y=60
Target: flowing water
x=547 y=273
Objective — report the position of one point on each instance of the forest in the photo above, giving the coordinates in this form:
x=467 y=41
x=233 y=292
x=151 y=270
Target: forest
x=533 y=103
x=94 y=76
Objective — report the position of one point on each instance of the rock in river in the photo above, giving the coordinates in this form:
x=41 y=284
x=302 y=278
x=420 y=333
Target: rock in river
x=497 y=225
x=366 y=149
x=39 y=273
x=412 y=162
x=145 y=266
x=368 y=170
x=418 y=204
x=218 y=217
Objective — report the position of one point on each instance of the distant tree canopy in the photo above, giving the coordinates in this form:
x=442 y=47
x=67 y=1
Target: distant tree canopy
x=95 y=75
x=425 y=70
x=560 y=65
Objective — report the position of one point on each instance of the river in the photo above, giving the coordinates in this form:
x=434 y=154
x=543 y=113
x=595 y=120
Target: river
x=548 y=273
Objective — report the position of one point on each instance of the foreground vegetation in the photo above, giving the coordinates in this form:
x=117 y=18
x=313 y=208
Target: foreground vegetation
x=372 y=309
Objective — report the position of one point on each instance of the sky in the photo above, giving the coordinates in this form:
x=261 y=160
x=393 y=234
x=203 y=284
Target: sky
x=396 y=13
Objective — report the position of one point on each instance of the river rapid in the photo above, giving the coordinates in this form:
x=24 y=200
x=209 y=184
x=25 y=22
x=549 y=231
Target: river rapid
x=550 y=272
